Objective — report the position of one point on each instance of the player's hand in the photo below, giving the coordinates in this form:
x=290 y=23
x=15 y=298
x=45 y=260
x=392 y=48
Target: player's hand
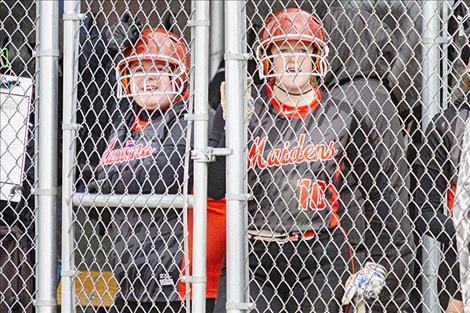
x=455 y=306
x=248 y=101
x=365 y=284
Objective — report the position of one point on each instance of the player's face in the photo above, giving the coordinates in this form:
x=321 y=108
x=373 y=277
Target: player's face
x=151 y=83
x=293 y=65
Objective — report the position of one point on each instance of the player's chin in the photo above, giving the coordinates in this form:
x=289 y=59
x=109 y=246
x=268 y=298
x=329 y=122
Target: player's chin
x=295 y=84
x=159 y=103
x=148 y=102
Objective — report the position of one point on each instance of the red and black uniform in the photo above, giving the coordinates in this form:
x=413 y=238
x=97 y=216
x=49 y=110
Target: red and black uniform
x=146 y=156
x=437 y=170
x=305 y=167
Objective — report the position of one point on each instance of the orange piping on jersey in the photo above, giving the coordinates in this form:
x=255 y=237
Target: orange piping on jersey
x=351 y=256
x=451 y=199
x=289 y=110
x=334 y=221
x=139 y=125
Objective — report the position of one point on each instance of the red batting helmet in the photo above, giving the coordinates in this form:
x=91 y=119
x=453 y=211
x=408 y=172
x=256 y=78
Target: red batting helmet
x=288 y=25
x=159 y=46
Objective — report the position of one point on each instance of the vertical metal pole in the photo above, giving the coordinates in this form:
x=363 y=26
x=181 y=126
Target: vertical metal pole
x=36 y=142
x=235 y=77
x=431 y=106
x=217 y=36
x=48 y=56
x=201 y=85
x=189 y=133
x=70 y=61
x=446 y=8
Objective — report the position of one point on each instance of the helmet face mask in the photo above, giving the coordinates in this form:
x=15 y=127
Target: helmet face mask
x=127 y=81
x=317 y=56
x=292 y=27
x=155 y=71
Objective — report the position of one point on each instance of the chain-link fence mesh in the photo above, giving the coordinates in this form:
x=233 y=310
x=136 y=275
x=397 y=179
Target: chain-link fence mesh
x=18 y=116
x=356 y=152
x=338 y=183
x=133 y=257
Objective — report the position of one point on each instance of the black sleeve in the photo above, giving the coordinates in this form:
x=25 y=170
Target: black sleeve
x=434 y=174
x=378 y=164
x=216 y=169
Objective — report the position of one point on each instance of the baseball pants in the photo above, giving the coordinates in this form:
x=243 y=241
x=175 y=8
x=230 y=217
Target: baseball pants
x=305 y=275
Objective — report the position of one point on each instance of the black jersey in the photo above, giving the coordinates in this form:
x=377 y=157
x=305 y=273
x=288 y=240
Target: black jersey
x=305 y=168
x=146 y=156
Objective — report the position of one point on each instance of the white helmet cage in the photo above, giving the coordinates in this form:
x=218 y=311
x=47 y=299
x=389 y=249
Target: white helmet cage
x=320 y=65
x=125 y=78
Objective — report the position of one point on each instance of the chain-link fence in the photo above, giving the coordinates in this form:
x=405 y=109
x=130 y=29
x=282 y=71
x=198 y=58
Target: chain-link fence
x=18 y=156
x=131 y=248
x=331 y=193
x=336 y=151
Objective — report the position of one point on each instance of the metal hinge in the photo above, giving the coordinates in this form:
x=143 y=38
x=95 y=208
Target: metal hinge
x=194 y=279
x=237 y=56
x=239 y=197
x=73 y=17
x=196 y=117
x=244 y=306
x=46 y=53
x=210 y=154
x=45 y=191
x=196 y=23
x=66 y=273
x=436 y=40
x=69 y=126
x=44 y=303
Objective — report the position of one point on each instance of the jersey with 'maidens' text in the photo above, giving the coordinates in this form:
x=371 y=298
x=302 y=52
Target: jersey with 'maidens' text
x=303 y=171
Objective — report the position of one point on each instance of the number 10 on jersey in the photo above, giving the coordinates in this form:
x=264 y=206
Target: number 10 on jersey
x=312 y=194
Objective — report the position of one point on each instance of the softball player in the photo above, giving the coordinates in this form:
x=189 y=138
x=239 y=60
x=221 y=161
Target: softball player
x=146 y=155
x=309 y=156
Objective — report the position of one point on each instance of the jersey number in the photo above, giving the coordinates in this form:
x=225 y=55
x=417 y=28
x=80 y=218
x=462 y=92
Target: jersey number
x=312 y=194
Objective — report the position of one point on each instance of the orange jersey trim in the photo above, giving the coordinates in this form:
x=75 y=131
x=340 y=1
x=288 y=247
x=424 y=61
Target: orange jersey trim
x=287 y=110
x=451 y=199
x=139 y=125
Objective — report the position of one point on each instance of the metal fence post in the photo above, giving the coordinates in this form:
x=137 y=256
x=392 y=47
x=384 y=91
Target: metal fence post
x=47 y=55
x=431 y=106
x=216 y=36
x=201 y=83
x=235 y=77
x=71 y=39
x=36 y=143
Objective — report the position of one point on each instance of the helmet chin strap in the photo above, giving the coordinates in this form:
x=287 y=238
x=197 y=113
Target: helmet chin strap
x=291 y=93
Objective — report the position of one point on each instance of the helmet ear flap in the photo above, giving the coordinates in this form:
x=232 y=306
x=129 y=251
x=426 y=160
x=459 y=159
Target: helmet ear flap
x=125 y=80
x=266 y=66
x=317 y=61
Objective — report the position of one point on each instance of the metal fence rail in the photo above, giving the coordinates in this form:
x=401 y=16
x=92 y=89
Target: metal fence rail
x=108 y=117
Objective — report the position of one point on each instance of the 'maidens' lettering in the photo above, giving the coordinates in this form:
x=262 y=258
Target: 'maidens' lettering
x=289 y=154
x=128 y=153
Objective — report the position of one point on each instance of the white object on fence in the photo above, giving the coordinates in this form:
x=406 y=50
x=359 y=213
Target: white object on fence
x=15 y=103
